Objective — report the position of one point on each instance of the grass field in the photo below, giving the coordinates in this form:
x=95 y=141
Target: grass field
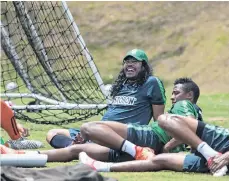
x=215 y=109
x=180 y=38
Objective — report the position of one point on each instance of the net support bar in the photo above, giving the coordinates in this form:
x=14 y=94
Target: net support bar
x=36 y=42
x=11 y=53
x=29 y=95
x=84 y=48
x=60 y=107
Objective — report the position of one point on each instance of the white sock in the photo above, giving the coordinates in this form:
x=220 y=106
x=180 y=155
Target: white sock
x=206 y=150
x=129 y=148
x=102 y=166
x=99 y=166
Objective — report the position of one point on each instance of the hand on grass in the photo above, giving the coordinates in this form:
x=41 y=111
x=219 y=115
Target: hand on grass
x=166 y=148
x=23 y=131
x=79 y=139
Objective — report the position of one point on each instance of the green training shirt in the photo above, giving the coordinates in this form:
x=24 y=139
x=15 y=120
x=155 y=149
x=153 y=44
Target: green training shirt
x=183 y=108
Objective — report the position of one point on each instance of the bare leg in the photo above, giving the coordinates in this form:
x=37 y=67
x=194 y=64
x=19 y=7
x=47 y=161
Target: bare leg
x=65 y=154
x=106 y=133
x=167 y=161
x=181 y=128
x=72 y=152
x=184 y=129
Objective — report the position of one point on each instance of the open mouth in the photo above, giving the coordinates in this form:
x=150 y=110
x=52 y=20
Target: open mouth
x=130 y=69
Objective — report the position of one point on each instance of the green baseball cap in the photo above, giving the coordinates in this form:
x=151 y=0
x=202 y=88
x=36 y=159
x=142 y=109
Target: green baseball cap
x=138 y=54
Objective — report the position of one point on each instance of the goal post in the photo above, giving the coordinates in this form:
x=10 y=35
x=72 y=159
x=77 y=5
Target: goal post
x=44 y=53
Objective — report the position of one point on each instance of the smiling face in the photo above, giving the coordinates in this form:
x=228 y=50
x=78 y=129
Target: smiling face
x=179 y=94
x=132 y=67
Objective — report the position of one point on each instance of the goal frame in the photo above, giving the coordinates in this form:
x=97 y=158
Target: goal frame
x=51 y=103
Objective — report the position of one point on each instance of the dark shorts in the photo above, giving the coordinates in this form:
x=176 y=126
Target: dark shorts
x=215 y=137
x=141 y=135
x=119 y=156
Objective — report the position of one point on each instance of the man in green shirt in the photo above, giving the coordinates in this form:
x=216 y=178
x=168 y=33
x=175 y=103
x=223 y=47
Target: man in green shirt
x=210 y=154
x=184 y=108
x=134 y=139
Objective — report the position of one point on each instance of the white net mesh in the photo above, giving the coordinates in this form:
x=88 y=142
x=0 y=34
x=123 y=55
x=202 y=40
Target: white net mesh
x=47 y=64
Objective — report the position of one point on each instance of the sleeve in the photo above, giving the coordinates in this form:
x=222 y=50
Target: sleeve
x=199 y=112
x=184 y=108
x=156 y=91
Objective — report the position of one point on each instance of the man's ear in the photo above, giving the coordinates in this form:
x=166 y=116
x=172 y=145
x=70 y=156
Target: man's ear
x=190 y=96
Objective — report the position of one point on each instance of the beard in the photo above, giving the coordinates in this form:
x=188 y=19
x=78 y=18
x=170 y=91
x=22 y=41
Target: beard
x=138 y=77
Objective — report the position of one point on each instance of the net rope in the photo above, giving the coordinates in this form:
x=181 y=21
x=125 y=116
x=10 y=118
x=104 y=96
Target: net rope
x=41 y=53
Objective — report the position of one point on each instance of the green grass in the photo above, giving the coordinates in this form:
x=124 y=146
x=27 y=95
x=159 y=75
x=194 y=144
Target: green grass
x=215 y=109
x=163 y=176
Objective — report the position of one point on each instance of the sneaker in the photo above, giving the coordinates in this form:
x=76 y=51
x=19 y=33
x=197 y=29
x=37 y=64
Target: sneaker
x=144 y=153
x=221 y=172
x=85 y=159
x=6 y=150
x=23 y=143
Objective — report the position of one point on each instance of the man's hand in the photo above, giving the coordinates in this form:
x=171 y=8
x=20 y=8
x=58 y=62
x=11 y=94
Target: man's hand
x=78 y=139
x=23 y=131
x=171 y=145
x=166 y=148
x=219 y=161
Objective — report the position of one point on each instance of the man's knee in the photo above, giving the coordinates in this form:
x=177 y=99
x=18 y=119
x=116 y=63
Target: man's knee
x=168 y=121
x=169 y=161
x=163 y=121
x=159 y=161
x=51 y=133
x=86 y=130
x=163 y=161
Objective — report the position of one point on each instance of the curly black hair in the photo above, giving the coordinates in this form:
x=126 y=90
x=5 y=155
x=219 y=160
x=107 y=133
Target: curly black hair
x=189 y=85
x=142 y=77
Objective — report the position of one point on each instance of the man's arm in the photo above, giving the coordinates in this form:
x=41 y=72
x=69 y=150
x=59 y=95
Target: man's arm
x=171 y=144
x=157 y=111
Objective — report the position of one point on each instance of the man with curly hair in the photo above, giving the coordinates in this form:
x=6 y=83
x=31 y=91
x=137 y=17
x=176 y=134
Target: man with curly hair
x=136 y=94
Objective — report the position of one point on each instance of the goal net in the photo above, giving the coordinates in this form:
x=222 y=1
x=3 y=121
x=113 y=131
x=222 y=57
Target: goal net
x=47 y=71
